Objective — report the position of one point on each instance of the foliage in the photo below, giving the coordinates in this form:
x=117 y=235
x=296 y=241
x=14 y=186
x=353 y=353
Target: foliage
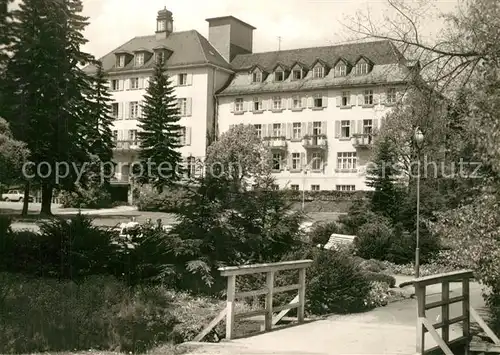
x=382 y=177
x=358 y=214
x=92 y=197
x=160 y=133
x=13 y=155
x=374 y=239
x=378 y=295
x=321 y=232
x=170 y=200
x=380 y=277
x=239 y=156
x=46 y=97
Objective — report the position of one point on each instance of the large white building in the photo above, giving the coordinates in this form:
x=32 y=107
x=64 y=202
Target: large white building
x=316 y=107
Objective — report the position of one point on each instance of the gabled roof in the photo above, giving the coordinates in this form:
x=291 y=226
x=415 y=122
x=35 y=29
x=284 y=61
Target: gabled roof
x=257 y=66
x=364 y=58
x=188 y=47
x=380 y=53
x=281 y=65
x=149 y=50
x=341 y=60
x=300 y=64
x=320 y=61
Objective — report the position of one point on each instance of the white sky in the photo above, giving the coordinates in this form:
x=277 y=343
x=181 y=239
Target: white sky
x=300 y=23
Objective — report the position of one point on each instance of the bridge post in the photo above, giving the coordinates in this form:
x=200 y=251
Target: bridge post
x=230 y=298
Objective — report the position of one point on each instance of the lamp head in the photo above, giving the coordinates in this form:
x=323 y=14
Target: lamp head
x=419 y=136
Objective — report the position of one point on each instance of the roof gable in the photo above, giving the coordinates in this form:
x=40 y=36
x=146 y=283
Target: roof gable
x=320 y=62
x=281 y=66
x=341 y=61
x=298 y=64
x=362 y=58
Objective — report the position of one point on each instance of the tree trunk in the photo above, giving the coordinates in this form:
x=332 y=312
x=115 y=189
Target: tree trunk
x=47 y=193
x=24 y=213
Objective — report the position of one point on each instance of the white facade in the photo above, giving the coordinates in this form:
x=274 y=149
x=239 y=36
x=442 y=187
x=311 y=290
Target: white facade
x=336 y=161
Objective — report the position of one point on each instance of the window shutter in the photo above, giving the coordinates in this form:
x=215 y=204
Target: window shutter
x=289 y=127
x=146 y=83
x=383 y=98
x=249 y=105
x=323 y=127
x=188 y=135
x=121 y=84
x=337 y=129
x=352 y=128
x=269 y=104
x=303 y=101
x=126 y=110
x=139 y=109
x=324 y=101
x=309 y=128
x=270 y=130
x=288 y=103
x=353 y=100
x=283 y=129
x=360 y=127
x=232 y=107
x=127 y=84
x=289 y=162
x=303 y=160
x=376 y=99
x=189 y=79
x=141 y=83
x=303 y=129
x=120 y=111
x=338 y=100
x=360 y=99
x=189 y=106
x=110 y=84
x=264 y=130
x=310 y=101
x=375 y=124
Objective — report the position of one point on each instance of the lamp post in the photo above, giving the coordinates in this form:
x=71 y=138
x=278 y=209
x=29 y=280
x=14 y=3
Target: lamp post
x=419 y=137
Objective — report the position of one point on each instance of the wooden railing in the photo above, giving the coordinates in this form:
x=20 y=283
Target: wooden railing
x=425 y=325
x=231 y=272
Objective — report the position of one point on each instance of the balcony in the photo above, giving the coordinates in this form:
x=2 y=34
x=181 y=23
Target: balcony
x=364 y=140
x=276 y=143
x=315 y=142
x=130 y=144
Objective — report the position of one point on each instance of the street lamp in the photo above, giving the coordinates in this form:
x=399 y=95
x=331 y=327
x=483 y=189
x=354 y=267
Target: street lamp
x=419 y=138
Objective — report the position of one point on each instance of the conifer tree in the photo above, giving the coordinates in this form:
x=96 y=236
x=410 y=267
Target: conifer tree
x=49 y=106
x=5 y=31
x=382 y=176
x=160 y=133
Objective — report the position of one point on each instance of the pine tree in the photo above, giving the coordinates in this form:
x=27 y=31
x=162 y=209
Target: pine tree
x=382 y=176
x=6 y=33
x=159 y=157
x=49 y=107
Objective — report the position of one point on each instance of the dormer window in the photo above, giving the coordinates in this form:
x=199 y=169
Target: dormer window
x=340 y=70
x=297 y=74
x=139 y=59
x=318 y=72
x=160 y=56
x=279 y=75
x=121 y=61
x=256 y=76
x=361 y=68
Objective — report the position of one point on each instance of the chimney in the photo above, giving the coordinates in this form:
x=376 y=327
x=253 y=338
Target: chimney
x=230 y=36
x=164 y=24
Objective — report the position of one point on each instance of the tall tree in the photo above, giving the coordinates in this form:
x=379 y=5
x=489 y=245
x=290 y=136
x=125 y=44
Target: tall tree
x=13 y=155
x=48 y=106
x=383 y=176
x=6 y=33
x=159 y=157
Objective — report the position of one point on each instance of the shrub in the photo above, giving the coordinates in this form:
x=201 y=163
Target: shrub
x=321 y=232
x=371 y=265
x=168 y=201
x=5 y=225
x=359 y=214
x=374 y=239
x=91 y=197
x=379 y=277
x=378 y=295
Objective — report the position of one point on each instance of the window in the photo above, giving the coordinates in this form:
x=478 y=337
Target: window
x=160 y=25
x=256 y=77
x=346 y=98
x=314 y=187
x=182 y=106
x=277 y=103
x=361 y=68
x=368 y=97
x=257 y=104
x=134 y=83
x=182 y=80
x=277 y=130
x=190 y=166
x=275 y=187
x=345 y=129
x=114 y=109
x=139 y=59
x=294 y=187
x=182 y=136
x=296 y=102
x=295 y=161
x=317 y=128
x=340 y=70
x=316 y=161
x=258 y=129
x=346 y=160
x=115 y=84
x=132 y=135
x=238 y=105
x=279 y=75
x=391 y=96
x=297 y=74
x=318 y=72
x=276 y=161
x=121 y=61
x=367 y=126
x=345 y=187
x=115 y=135
x=134 y=109
x=318 y=100
x=160 y=56
x=297 y=130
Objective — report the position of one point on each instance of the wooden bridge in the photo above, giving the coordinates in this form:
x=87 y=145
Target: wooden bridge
x=381 y=331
